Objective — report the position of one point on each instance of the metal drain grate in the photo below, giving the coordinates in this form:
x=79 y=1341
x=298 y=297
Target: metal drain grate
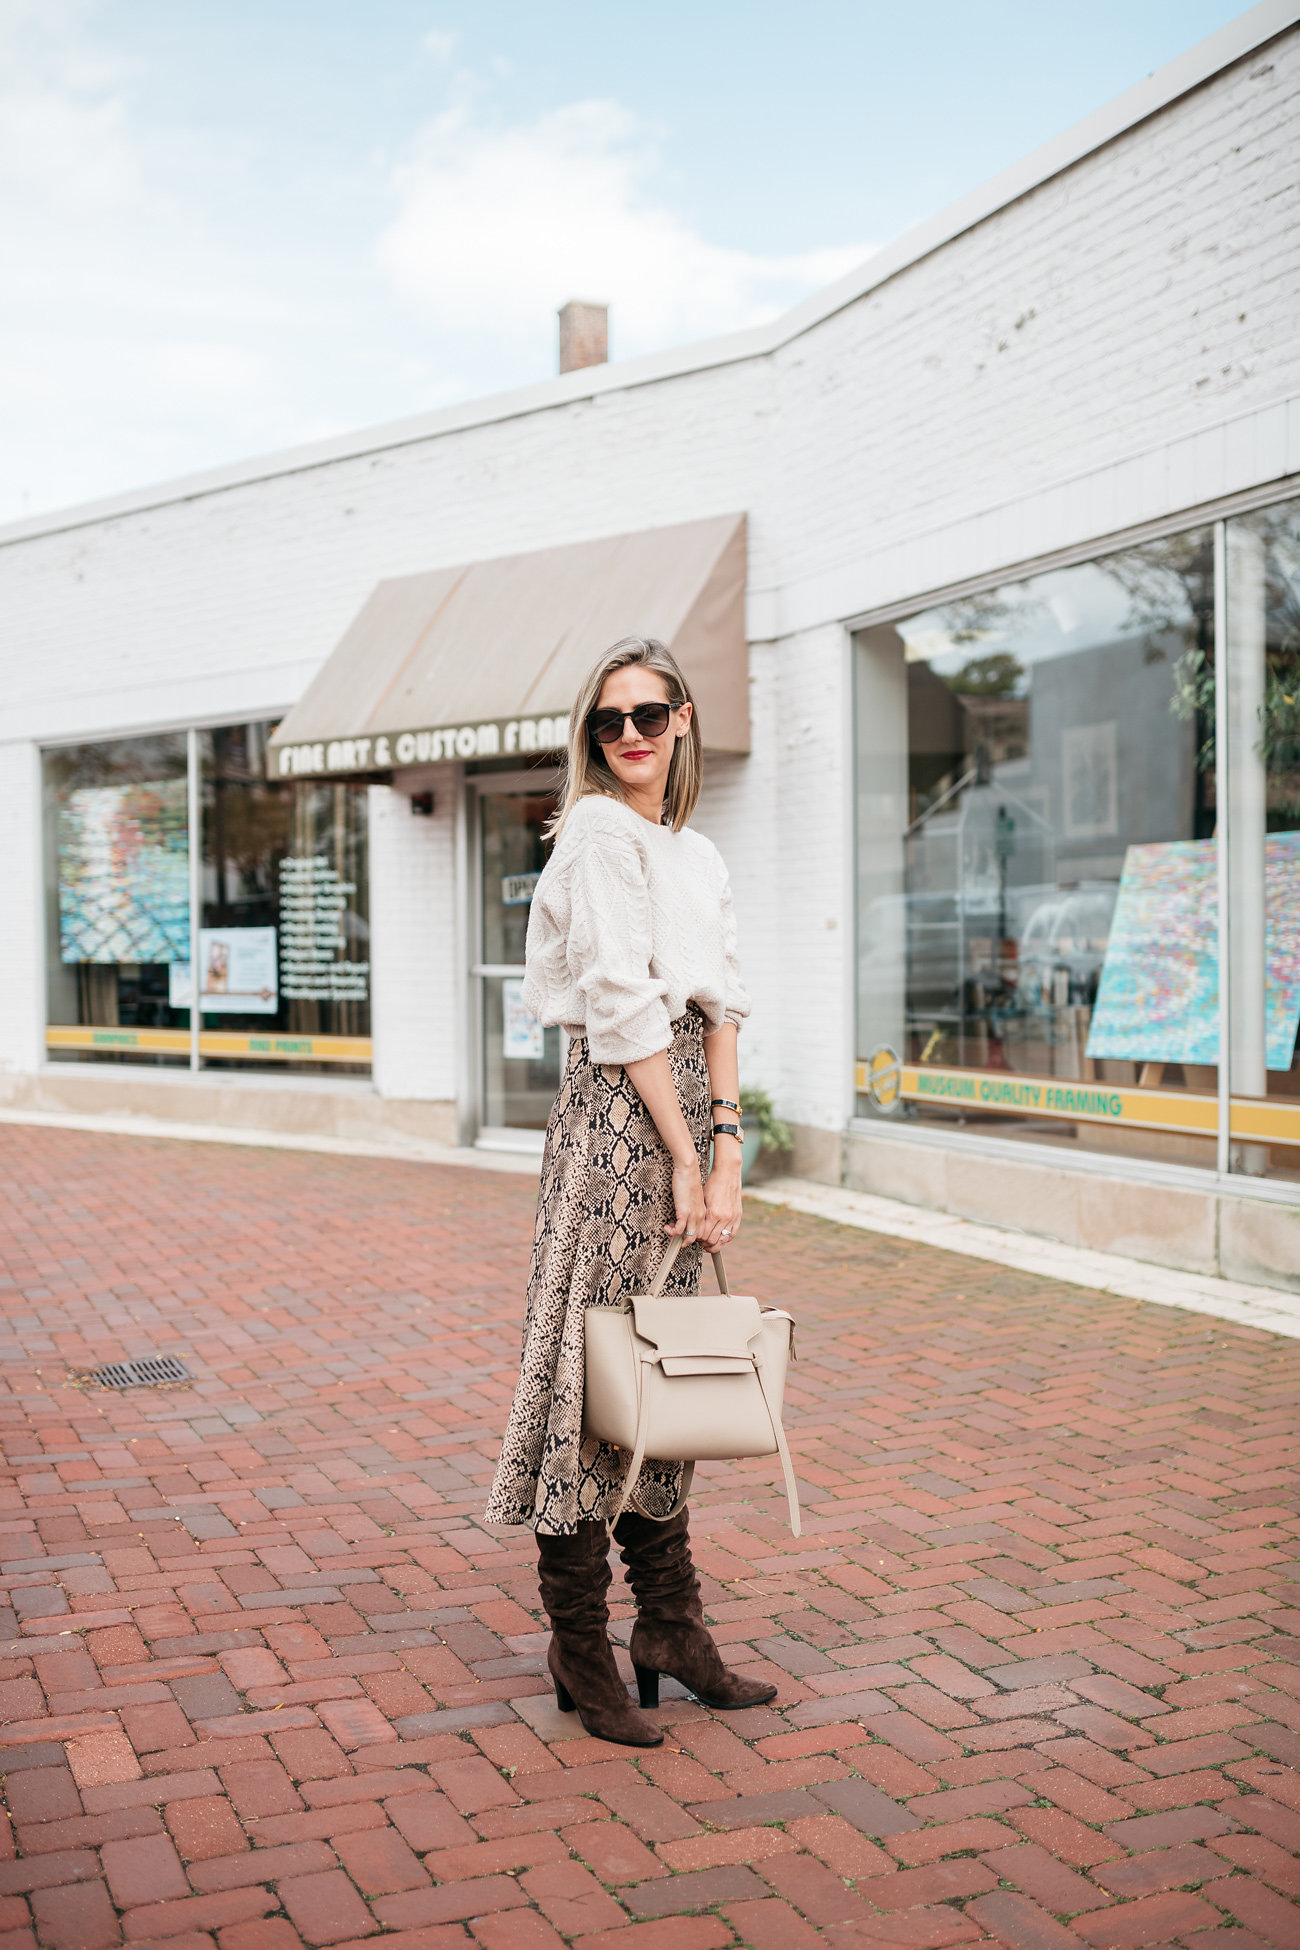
x=149 y=1371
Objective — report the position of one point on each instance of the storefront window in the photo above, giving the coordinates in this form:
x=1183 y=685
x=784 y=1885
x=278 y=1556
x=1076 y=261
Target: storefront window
x=284 y=936
x=1037 y=877
x=117 y=900
x=1263 y=771
x=284 y=947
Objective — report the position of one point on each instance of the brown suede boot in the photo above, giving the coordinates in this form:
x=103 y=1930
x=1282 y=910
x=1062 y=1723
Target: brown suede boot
x=574 y=1576
x=669 y=1635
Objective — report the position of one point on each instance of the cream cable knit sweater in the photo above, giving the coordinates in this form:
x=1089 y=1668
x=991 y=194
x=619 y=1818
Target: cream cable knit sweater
x=631 y=922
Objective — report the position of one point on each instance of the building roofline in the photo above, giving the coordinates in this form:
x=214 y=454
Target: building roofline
x=1239 y=38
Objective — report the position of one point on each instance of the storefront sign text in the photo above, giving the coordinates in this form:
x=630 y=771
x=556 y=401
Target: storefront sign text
x=387 y=749
x=1017 y=1093
x=314 y=905
x=1265 y=1120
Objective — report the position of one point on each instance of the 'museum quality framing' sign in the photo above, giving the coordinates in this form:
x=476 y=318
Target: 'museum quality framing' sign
x=1069 y=1100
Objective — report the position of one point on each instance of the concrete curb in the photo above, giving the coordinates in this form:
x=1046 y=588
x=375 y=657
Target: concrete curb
x=409 y=1151
x=1133 y=1279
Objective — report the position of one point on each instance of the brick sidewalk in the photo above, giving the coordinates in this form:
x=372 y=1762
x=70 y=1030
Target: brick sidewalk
x=268 y=1682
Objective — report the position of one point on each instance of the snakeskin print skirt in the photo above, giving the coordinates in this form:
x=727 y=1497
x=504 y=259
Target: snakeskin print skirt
x=605 y=1198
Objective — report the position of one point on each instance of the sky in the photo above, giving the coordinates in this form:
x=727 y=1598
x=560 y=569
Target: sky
x=231 y=226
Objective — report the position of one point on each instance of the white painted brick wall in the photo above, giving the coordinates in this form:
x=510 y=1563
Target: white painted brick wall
x=738 y=811
x=814 y=838
x=1116 y=345
x=414 y=963
x=22 y=961
x=225 y=604
x=1098 y=317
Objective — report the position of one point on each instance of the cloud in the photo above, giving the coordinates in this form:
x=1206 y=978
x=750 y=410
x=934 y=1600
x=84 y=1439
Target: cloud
x=495 y=228
x=63 y=144
x=185 y=289
x=131 y=345
x=212 y=370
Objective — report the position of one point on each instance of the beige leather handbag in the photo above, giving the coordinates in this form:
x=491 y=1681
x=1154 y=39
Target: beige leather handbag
x=689 y=1378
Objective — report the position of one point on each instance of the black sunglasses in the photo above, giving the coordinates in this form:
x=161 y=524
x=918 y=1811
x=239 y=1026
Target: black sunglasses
x=651 y=721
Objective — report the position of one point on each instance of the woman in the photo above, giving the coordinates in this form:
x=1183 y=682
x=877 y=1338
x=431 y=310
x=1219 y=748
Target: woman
x=631 y=947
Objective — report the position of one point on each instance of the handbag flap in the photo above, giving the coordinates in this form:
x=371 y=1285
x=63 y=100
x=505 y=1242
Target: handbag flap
x=676 y=1364
x=722 y=1324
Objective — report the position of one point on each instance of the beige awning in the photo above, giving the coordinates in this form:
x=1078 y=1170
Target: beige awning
x=486 y=659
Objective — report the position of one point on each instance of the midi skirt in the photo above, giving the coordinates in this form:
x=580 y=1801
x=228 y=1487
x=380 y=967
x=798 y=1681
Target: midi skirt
x=605 y=1197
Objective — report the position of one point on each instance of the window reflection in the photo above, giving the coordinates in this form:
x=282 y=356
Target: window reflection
x=117 y=898
x=283 y=950
x=1037 y=883
x=286 y=928
x=1263 y=628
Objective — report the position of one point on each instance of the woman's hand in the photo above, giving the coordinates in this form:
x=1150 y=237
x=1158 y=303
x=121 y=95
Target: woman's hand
x=722 y=1197
x=722 y=1194
x=688 y=1201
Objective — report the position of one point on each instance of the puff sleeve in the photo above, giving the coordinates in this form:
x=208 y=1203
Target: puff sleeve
x=610 y=946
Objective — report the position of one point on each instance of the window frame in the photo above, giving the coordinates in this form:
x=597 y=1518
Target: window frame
x=1213 y=514
x=282 y=1063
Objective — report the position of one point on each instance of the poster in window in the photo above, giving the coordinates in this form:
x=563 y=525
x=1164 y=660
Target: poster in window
x=240 y=975
x=123 y=872
x=1158 y=1000
x=523 y=1037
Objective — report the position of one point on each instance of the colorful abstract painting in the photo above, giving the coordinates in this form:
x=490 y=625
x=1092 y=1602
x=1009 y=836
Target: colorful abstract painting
x=1282 y=921
x=124 y=874
x=1158 y=1001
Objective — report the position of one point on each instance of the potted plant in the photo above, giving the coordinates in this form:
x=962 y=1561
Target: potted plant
x=763 y=1130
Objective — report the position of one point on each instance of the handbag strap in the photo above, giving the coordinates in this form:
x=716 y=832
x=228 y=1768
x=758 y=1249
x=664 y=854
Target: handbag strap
x=657 y=1286
x=688 y=1469
x=666 y=1264
x=638 y=1447
x=668 y=1261
x=638 y=1455
x=782 y=1449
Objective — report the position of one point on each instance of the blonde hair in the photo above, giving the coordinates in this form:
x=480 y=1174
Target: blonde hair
x=586 y=771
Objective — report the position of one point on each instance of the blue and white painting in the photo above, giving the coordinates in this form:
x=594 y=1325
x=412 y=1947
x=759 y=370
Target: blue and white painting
x=1158 y=1001
x=124 y=874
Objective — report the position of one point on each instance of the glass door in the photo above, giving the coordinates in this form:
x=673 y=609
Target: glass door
x=518 y=1061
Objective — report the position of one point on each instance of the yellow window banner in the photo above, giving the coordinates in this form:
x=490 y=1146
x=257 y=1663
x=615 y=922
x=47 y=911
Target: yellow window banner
x=889 y=1083
x=155 y=1042
x=262 y=1045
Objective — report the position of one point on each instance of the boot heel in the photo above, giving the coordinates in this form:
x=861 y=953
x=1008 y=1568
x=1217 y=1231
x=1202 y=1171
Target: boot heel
x=563 y=1697
x=647 y=1685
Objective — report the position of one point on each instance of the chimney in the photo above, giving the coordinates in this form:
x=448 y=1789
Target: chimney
x=584 y=335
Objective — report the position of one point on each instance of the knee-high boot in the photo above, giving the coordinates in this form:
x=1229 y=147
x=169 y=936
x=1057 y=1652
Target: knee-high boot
x=670 y=1635
x=574 y=1576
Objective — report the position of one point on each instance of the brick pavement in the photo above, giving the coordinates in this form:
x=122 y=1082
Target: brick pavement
x=267 y=1682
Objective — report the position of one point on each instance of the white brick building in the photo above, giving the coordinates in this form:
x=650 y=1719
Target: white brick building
x=1093 y=357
